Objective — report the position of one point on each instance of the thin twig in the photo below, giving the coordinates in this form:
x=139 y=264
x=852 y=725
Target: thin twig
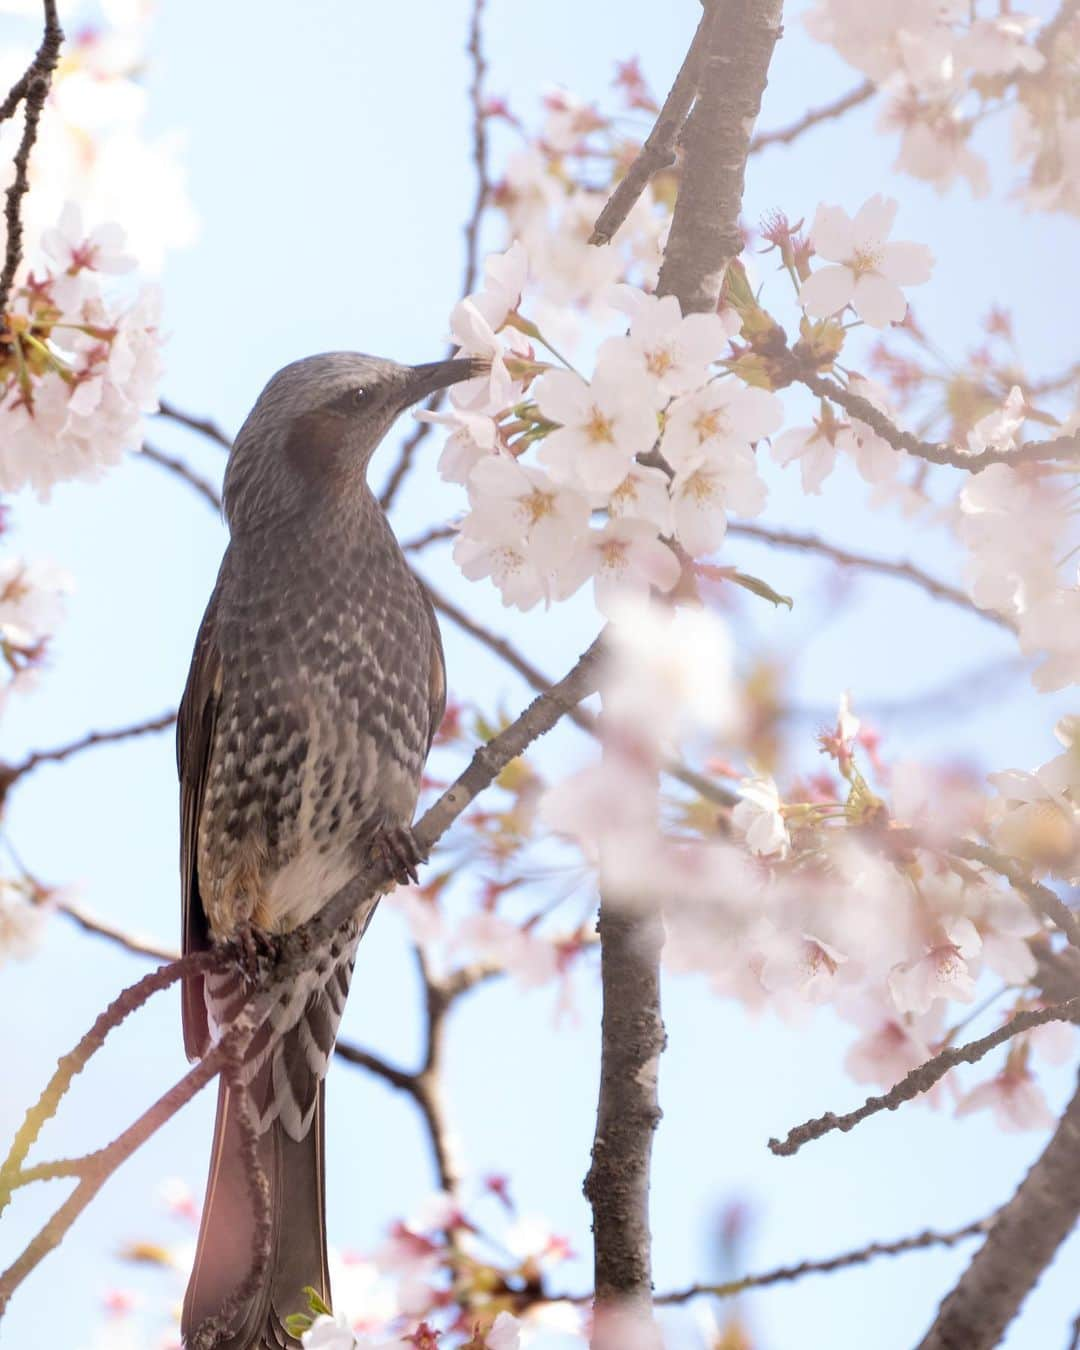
x=183 y=470
x=785 y=1274
x=814 y=117
x=658 y=152
x=90 y=923
x=205 y=426
x=73 y=1063
x=901 y=569
x=31 y=91
x=11 y=773
x=436 y=535
x=922 y=1079
x=475 y=49
x=1030 y=452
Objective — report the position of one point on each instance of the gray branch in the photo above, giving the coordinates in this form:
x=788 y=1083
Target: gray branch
x=1021 y=1244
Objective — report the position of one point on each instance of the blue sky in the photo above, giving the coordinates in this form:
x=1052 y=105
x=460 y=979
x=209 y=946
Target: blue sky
x=328 y=152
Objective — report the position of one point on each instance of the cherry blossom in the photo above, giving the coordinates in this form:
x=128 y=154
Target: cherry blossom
x=21 y=921
x=531 y=960
x=891 y=1044
x=474 y=336
x=724 y=414
x=867 y=270
x=709 y=485
x=814 y=447
x=505 y=1333
x=519 y=581
x=31 y=609
x=642 y=495
x=760 y=818
x=999 y=46
x=942 y=972
x=81 y=372
x=1017 y=1101
x=669 y=670
x=664 y=352
x=601 y=426
x=472 y=436
x=624 y=556
x=513 y=504
x=1037 y=818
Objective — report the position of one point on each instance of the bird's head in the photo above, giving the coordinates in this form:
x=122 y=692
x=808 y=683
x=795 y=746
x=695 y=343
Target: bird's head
x=315 y=426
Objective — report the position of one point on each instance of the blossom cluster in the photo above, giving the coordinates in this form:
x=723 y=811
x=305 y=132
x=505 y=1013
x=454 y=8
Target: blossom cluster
x=1017 y=524
x=31 y=608
x=79 y=368
x=942 y=68
x=652 y=396
x=837 y=894
x=92 y=146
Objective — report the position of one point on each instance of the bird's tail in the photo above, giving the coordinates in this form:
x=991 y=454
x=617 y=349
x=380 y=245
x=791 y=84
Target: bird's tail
x=228 y=1236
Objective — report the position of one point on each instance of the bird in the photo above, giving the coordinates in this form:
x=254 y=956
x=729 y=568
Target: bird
x=316 y=687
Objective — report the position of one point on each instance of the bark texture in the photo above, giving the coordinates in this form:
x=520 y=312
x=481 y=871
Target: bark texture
x=705 y=232
x=730 y=56
x=1021 y=1244
x=632 y=1038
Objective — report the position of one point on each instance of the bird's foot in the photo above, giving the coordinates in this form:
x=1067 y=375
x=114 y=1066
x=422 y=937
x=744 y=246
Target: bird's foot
x=258 y=952
x=396 y=847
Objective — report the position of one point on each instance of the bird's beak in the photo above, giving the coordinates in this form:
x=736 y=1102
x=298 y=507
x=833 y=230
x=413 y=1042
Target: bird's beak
x=428 y=379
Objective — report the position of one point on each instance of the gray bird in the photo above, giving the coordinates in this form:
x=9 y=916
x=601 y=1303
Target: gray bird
x=316 y=687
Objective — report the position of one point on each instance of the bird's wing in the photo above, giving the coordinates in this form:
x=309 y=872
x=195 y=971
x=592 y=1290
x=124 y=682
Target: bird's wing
x=437 y=671
x=194 y=744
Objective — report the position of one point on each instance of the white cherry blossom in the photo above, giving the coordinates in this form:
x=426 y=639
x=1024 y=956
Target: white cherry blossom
x=759 y=818
x=474 y=336
x=513 y=504
x=519 y=581
x=940 y=973
x=625 y=555
x=815 y=449
x=867 y=269
x=602 y=426
x=723 y=413
x=472 y=437
x=669 y=670
x=664 y=352
x=642 y=495
x=706 y=488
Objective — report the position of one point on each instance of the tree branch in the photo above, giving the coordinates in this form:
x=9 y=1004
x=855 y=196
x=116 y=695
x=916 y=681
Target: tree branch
x=903 y=570
x=475 y=49
x=205 y=426
x=1039 y=898
x=786 y=1274
x=632 y=1039
x=1020 y=1245
x=705 y=234
x=183 y=470
x=1030 y=452
x=658 y=152
x=31 y=90
x=736 y=40
x=923 y=1078
x=814 y=117
x=11 y=773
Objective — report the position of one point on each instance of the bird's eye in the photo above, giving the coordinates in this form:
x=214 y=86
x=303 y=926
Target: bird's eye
x=360 y=394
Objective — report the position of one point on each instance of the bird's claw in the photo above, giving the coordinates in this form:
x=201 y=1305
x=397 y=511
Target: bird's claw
x=395 y=846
